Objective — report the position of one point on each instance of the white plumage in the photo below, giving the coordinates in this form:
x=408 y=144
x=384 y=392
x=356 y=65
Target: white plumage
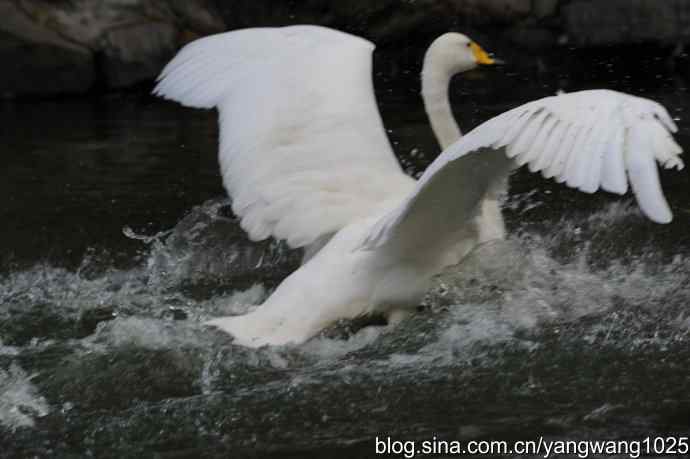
x=305 y=158
x=295 y=105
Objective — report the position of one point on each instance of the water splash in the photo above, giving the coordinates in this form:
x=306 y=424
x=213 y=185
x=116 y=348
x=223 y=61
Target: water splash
x=20 y=402
x=500 y=289
x=123 y=354
x=512 y=291
x=208 y=247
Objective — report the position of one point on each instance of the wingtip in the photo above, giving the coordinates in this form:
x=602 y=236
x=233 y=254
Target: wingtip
x=660 y=213
x=663 y=220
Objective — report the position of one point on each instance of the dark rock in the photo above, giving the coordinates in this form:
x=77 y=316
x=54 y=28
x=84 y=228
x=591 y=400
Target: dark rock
x=71 y=46
x=37 y=60
x=533 y=37
x=497 y=11
x=40 y=68
x=385 y=22
x=591 y=22
x=197 y=16
x=545 y=8
x=137 y=53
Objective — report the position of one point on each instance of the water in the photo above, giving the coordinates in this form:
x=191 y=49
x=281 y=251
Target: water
x=117 y=243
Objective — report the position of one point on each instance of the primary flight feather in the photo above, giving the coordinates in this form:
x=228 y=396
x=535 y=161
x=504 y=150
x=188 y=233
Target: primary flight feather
x=305 y=158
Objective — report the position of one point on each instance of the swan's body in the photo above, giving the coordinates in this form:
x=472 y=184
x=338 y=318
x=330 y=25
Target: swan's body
x=305 y=158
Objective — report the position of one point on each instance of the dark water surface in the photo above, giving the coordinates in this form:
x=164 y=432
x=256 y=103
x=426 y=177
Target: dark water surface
x=117 y=242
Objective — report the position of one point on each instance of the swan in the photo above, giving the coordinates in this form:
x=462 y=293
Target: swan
x=305 y=158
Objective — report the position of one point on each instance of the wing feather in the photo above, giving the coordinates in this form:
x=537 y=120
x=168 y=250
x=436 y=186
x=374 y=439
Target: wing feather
x=613 y=172
x=529 y=134
x=515 y=128
x=302 y=147
x=644 y=178
x=560 y=156
x=597 y=146
x=590 y=139
x=552 y=146
x=578 y=158
x=534 y=155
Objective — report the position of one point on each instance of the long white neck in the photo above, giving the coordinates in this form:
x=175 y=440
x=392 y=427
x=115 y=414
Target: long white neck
x=436 y=76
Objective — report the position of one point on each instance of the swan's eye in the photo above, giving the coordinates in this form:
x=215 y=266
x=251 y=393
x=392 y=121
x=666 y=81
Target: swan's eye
x=469 y=45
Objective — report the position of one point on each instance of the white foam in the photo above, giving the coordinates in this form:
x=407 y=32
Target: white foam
x=237 y=302
x=20 y=402
x=325 y=348
x=8 y=350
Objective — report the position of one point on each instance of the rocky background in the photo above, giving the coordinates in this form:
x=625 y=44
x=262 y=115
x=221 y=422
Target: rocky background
x=54 y=47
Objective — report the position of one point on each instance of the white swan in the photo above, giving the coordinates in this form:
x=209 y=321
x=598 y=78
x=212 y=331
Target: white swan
x=305 y=158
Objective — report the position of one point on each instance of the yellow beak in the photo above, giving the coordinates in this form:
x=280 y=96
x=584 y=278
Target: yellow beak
x=480 y=55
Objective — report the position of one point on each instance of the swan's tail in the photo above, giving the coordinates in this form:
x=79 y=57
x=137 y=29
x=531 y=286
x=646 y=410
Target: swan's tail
x=258 y=329
x=248 y=330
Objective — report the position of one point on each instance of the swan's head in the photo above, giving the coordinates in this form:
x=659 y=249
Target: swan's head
x=454 y=53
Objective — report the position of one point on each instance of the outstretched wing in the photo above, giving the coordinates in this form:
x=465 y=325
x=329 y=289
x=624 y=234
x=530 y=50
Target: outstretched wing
x=302 y=148
x=588 y=140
